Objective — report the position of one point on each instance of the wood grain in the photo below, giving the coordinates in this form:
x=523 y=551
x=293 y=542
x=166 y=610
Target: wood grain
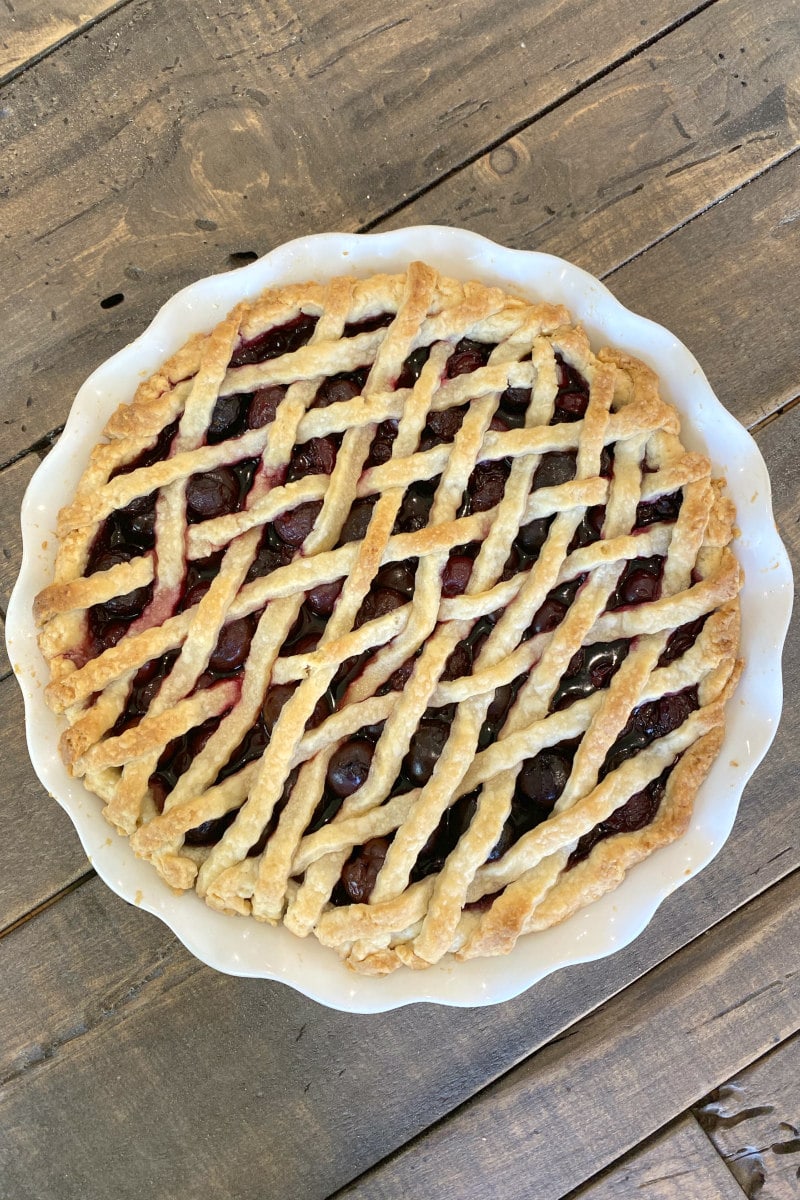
x=153 y=148
x=642 y=151
x=13 y=482
x=33 y=28
x=41 y=851
x=754 y=1123
x=677 y=1163
x=621 y=1073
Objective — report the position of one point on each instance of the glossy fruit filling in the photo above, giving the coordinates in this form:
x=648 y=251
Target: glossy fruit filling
x=131 y=532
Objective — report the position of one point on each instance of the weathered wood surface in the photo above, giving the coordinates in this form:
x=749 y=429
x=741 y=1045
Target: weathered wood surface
x=622 y=1073
x=148 y=151
x=163 y=141
x=686 y=122
x=753 y=1121
x=41 y=854
x=32 y=28
x=677 y=1162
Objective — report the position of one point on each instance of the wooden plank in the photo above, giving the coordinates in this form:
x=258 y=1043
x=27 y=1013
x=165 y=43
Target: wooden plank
x=715 y=285
x=676 y=1163
x=13 y=482
x=29 y=30
x=643 y=150
x=150 y=150
x=41 y=851
x=620 y=1074
x=753 y=1122
x=78 y=1027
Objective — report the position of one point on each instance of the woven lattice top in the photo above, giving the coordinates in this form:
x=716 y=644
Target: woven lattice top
x=389 y=610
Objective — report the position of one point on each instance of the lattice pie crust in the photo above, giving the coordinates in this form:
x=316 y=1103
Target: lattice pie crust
x=390 y=611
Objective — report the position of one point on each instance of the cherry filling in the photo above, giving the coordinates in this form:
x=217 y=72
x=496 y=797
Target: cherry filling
x=555 y=606
x=650 y=721
x=639 y=583
x=467 y=357
x=681 y=640
x=663 y=508
x=283 y=339
x=412 y=367
x=572 y=397
x=368 y=325
x=634 y=814
x=590 y=669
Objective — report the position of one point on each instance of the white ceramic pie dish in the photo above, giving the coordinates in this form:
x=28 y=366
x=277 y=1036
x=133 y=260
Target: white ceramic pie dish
x=243 y=946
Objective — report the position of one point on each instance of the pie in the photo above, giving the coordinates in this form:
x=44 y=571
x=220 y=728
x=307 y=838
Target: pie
x=390 y=611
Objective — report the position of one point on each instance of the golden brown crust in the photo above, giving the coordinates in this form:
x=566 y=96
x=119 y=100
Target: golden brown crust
x=472 y=904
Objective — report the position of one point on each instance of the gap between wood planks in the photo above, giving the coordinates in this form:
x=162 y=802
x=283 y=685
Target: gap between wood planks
x=84 y=27
x=526 y=1085
x=521 y=126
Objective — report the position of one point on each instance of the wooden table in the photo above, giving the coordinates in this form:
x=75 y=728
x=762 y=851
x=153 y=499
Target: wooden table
x=146 y=145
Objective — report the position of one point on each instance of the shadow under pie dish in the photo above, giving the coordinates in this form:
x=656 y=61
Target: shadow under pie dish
x=390 y=611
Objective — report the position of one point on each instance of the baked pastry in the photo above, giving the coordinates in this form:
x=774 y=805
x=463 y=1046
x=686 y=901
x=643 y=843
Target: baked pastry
x=390 y=611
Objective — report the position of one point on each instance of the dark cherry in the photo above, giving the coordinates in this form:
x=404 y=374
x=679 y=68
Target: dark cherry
x=321 y=599
x=357 y=521
x=681 y=640
x=212 y=494
x=468 y=356
x=294 y=526
x=590 y=669
x=317 y=456
x=514 y=564
x=444 y=425
x=455 y=575
x=180 y=753
x=210 y=832
x=367 y=325
x=454 y=822
x=264 y=406
x=399 y=678
x=414 y=511
x=233 y=646
x=663 y=508
x=136 y=523
x=543 y=778
x=277 y=696
x=381 y=449
x=412 y=367
x=570 y=406
x=516 y=399
x=145 y=687
x=349 y=767
x=283 y=339
x=360 y=872
x=533 y=536
x=486 y=486
x=636 y=813
x=399 y=576
x=459 y=663
x=648 y=722
x=425 y=750
x=590 y=528
x=105 y=633
x=153 y=454
x=555 y=467
x=269 y=557
x=378 y=604
x=607 y=462
x=555 y=606
x=251 y=747
x=639 y=583
x=225 y=419
x=338 y=389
